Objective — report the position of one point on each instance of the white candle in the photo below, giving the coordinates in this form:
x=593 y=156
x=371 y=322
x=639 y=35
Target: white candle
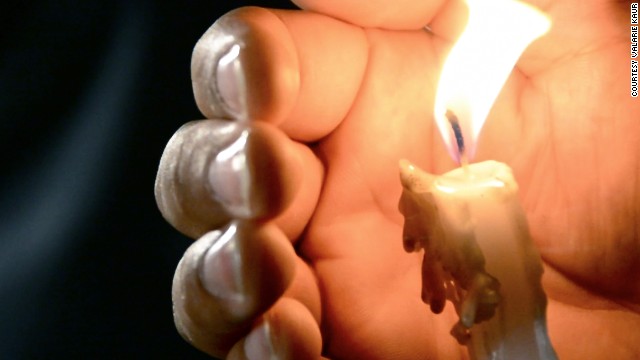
x=478 y=255
x=478 y=251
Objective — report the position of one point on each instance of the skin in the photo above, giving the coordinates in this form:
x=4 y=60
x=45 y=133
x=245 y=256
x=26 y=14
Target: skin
x=347 y=91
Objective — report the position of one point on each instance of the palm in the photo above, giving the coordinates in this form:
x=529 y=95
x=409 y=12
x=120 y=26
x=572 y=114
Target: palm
x=564 y=123
x=361 y=97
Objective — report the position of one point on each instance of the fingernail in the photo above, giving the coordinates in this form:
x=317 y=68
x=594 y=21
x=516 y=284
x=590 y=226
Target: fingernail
x=220 y=272
x=230 y=178
x=230 y=81
x=258 y=344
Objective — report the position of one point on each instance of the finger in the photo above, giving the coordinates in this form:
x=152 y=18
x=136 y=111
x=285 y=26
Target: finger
x=214 y=170
x=304 y=289
x=450 y=20
x=232 y=54
x=399 y=14
x=304 y=69
x=226 y=280
x=288 y=331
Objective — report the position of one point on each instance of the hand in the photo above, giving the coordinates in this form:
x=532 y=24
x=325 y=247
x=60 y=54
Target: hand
x=294 y=200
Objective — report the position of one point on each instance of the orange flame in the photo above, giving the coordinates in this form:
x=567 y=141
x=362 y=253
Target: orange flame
x=496 y=34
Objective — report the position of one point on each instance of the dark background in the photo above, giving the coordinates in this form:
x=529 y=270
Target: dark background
x=90 y=92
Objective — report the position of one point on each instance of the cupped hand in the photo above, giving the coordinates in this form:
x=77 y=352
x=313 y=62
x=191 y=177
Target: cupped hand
x=292 y=187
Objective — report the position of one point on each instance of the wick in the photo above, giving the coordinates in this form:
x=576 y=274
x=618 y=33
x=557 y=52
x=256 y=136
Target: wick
x=457 y=132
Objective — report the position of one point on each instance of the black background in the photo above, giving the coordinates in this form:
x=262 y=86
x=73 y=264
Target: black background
x=90 y=92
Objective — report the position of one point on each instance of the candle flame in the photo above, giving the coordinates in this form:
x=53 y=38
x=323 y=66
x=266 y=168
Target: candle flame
x=497 y=33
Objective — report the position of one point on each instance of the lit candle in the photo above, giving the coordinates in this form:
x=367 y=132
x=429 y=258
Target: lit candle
x=478 y=253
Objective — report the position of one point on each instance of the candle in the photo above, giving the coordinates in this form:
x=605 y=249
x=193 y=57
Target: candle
x=478 y=253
